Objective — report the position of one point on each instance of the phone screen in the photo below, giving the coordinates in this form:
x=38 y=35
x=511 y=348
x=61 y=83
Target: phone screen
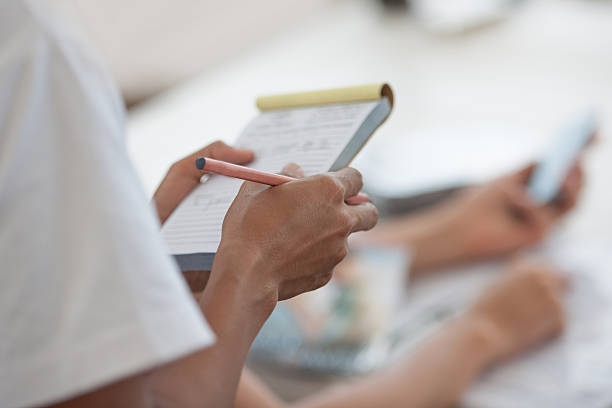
x=547 y=178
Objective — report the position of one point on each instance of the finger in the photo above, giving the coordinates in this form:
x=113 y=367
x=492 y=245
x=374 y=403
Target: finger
x=519 y=198
x=528 y=263
x=559 y=281
x=552 y=278
x=575 y=175
x=302 y=285
x=555 y=322
x=593 y=139
x=293 y=170
x=250 y=187
x=563 y=282
x=522 y=176
x=570 y=190
x=221 y=151
x=216 y=150
x=364 y=216
x=528 y=211
x=520 y=262
x=578 y=171
x=358 y=199
x=350 y=179
x=567 y=197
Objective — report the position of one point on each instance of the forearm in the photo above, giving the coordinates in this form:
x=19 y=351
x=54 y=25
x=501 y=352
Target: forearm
x=433 y=238
x=253 y=393
x=434 y=376
x=210 y=377
x=207 y=378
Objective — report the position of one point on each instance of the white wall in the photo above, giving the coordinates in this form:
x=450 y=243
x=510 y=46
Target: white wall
x=151 y=44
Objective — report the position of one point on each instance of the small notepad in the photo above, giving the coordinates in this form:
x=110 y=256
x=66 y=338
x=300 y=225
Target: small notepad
x=321 y=131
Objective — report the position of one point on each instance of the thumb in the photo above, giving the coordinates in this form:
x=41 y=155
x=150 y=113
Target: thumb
x=536 y=217
x=217 y=150
x=522 y=176
x=562 y=283
x=221 y=151
x=293 y=170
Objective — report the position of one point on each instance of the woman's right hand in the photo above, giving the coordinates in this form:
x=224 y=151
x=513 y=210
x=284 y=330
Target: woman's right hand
x=524 y=309
x=286 y=240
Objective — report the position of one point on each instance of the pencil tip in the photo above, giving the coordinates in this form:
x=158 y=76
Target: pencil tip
x=200 y=162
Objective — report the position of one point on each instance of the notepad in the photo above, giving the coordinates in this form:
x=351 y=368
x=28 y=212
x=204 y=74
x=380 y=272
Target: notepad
x=321 y=131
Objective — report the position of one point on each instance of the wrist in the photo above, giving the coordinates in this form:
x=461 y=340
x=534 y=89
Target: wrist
x=234 y=315
x=437 y=240
x=485 y=337
x=237 y=280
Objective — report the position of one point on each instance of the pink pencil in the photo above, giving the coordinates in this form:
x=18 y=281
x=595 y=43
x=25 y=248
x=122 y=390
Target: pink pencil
x=258 y=176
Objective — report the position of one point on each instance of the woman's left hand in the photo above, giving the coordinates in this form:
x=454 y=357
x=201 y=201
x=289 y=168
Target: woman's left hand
x=183 y=176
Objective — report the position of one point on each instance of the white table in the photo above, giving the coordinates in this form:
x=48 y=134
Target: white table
x=553 y=58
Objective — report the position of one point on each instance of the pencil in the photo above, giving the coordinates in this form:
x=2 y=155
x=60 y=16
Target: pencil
x=246 y=173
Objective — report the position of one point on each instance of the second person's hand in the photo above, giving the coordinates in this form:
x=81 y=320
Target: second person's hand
x=523 y=309
x=494 y=219
x=501 y=217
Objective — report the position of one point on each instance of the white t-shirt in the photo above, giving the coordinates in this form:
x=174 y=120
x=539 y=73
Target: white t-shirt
x=87 y=293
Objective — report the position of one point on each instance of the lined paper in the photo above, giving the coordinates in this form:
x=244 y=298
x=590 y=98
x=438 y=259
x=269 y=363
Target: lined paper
x=312 y=137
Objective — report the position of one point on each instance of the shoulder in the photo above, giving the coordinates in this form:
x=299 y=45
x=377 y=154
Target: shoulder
x=34 y=19
x=24 y=27
x=45 y=58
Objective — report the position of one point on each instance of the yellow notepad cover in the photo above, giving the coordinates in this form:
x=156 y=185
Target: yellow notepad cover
x=360 y=93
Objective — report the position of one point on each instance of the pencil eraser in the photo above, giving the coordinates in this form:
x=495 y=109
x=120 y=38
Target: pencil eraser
x=200 y=162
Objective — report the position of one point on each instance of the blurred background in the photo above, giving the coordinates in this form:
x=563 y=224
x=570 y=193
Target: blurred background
x=481 y=87
x=504 y=82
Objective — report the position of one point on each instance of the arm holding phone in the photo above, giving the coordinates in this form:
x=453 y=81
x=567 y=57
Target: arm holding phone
x=495 y=219
x=490 y=220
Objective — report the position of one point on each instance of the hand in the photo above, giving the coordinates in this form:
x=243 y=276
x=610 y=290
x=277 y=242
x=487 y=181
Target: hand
x=500 y=217
x=485 y=221
x=183 y=176
x=523 y=309
x=285 y=240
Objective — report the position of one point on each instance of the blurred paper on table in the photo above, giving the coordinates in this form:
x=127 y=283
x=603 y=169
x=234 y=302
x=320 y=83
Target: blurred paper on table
x=343 y=326
x=440 y=158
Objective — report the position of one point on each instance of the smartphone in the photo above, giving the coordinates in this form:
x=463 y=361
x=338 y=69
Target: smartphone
x=547 y=178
